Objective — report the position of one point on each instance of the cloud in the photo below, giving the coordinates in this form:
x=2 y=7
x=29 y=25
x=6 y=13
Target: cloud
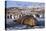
x=23 y=4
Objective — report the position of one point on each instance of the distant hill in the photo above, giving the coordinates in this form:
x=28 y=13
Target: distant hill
x=19 y=9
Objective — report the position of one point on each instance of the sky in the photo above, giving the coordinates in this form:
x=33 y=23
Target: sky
x=23 y=4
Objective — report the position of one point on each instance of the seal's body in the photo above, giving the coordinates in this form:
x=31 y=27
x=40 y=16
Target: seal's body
x=27 y=20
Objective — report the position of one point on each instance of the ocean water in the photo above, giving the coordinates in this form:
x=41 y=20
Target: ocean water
x=11 y=25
